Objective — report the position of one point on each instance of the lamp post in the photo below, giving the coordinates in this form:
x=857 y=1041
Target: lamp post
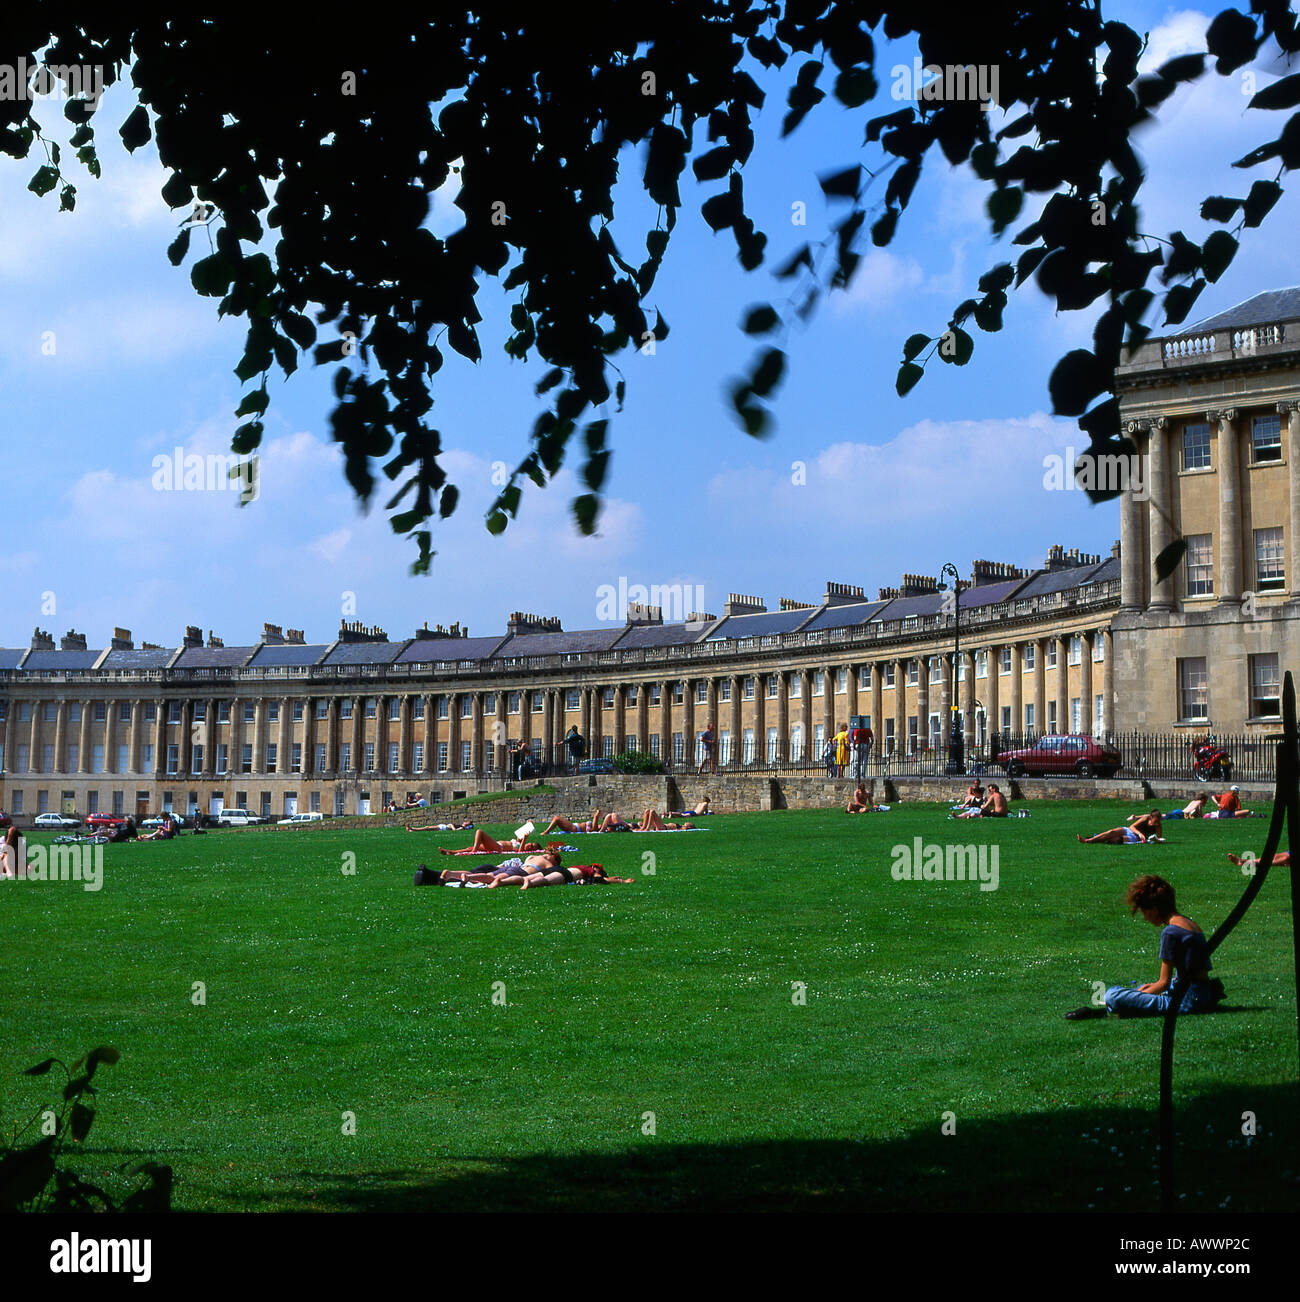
x=956 y=743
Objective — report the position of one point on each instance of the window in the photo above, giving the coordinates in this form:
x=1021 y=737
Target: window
x=633 y=692
x=1193 y=702
x=24 y=711
x=295 y=757
x=417 y=707
x=1098 y=647
x=864 y=678
x=146 y=757
x=1270 y=575
x=173 y=760
x=655 y=694
x=1200 y=565
x=319 y=763
x=313 y=802
x=1050 y=661
x=773 y=746
x=417 y=756
x=273 y=712
x=701 y=693
x=272 y=756
x=607 y=746
x=679 y=693
x=796 y=742
x=912 y=671
x=981 y=664
x=97 y=758
x=467 y=707
x=936 y=732
x=1030 y=652
x=119 y=804
x=466 y=756
x=773 y=686
x=724 y=690
x=1004 y=660
x=936 y=669
x=92 y=802
x=322 y=709
x=1076 y=714
x=372 y=707
x=123 y=714
x=1005 y=723
x=1265 y=439
x=101 y=711
x=889 y=675
x=1076 y=654
x=1196 y=447
x=250 y=712
x=223 y=711
x=889 y=736
x=370 y=756
x=1265 y=696
x=173 y=711
x=913 y=733
x=961 y=668
x=297 y=712
x=1051 y=716
x=223 y=753
x=819 y=683
x=1098 y=706
x=338 y=802
x=841 y=681
x=394 y=708
x=747 y=688
x=345 y=755
x=200 y=712
x=536 y=703
x=16 y=799
x=1029 y=718
x=150 y=712
x=123 y=757
x=196 y=759
x=392 y=757
x=654 y=744
x=512 y=703
x=444 y=707
x=442 y=757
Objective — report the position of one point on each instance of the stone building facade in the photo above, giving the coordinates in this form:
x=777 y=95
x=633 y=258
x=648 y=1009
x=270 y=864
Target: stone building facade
x=1084 y=644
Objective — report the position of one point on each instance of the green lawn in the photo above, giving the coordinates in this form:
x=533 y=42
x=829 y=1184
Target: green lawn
x=329 y=993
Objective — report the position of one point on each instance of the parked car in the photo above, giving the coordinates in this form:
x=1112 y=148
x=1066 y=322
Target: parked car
x=295 y=819
x=236 y=818
x=597 y=766
x=156 y=820
x=5 y=820
x=108 y=821
x=56 y=820
x=1083 y=756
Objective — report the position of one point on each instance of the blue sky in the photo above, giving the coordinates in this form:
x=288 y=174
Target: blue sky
x=142 y=366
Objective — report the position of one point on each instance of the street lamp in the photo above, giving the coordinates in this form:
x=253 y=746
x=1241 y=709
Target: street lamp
x=956 y=743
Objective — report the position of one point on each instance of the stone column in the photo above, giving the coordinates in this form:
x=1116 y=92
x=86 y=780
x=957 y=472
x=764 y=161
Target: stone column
x=1086 y=712
x=947 y=686
x=34 y=742
x=110 y=733
x=738 y=721
x=284 y=742
x=1291 y=410
x=992 y=693
x=688 y=726
x=877 y=707
x=1015 y=698
x=1159 y=514
x=453 y=732
x=476 y=733
x=900 y=707
x=1132 y=596
x=210 y=740
x=666 y=723
x=160 y=742
x=332 y=736
x=259 y=735
x=1040 y=686
x=806 y=714
x=620 y=722
x=358 y=733
x=183 y=753
x=760 y=724
x=923 y=702
x=1108 y=687
x=968 y=700
x=585 y=712
x=643 y=716
x=597 y=721
x=1062 y=684
x=1228 y=586
x=828 y=700
x=234 y=760
x=431 y=732
x=851 y=691
x=83 y=757
x=60 y=736
x=133 y=738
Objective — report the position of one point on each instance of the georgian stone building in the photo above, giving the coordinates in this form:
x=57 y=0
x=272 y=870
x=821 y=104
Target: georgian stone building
x=1083 y=644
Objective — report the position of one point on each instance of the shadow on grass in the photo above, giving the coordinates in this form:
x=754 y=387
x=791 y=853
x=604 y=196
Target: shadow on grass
x=1100 y=1158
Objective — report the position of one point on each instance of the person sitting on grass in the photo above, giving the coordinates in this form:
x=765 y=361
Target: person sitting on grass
x=1229 y=806
x=439 y=827
x=1184 y=952
x=700 y=811
x=974 y=796
x=861 y=802
x=994 y=806
x=166 y=832
x=547 y=860
x=12 y=855
x=485 y=844
x=1143 y=830
x=588 y=874
x=651 y=822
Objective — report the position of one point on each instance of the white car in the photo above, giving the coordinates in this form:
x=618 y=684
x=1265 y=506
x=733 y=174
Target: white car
x=56 y=820
x=295 y=819
x=236 y=818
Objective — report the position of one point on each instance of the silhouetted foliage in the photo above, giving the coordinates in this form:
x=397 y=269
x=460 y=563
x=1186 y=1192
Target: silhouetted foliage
x=333 y=135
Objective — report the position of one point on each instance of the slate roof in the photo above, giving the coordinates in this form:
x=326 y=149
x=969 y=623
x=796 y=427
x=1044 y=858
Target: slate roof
x=427 y=650
x=213 y=657
x=857 y=612
x=1262 y=309
x=138 y=658
x=60 y=661
x=1046 y=582
x=364 y=653
x=288 y=654
x=655 y=635
x=761 y=625
x=930 y=603
x=552 y=644
x=10 y=656
x=989 y=594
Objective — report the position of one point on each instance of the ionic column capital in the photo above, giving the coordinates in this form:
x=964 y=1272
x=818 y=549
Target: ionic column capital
x=1290 y=405
x=1223 y=415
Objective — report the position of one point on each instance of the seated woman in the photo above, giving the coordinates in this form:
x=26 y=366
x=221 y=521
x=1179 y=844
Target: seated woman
x=12 y=854
x=974 y=796
x=651 y=822
x=166 y=832
x=994 y=805
x=1141 y=830
x=485 y=844
x=1184 y=952
x=593 y=874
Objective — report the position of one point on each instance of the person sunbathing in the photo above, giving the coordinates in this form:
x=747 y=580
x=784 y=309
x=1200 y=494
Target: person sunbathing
x=974 y=796
x=1229 y=806
x=1282 y=859
x=1184 y=953
x=861 y=802
x=485 y=844
x=547 y=860
x=598 y=822
x=1150 y=825
x=1192 y=809
x=439 y=827
x=652 y=822
x=1139 y=833
x=588 y=874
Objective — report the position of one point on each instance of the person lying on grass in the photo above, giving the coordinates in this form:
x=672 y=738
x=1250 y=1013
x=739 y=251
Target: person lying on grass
x=1192 y=809
x=651 y=822
x=1184 y=953
x=592 y=874
x=1282 y=859
x=543 y=861
x=598 y=822
x=1142 y=830
x=485 y=844
x=438 y=827
x=993 y=806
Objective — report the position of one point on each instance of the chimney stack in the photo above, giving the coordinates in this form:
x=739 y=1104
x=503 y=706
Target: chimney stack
x=122 y=640
x=72 y=641
x=737 y=604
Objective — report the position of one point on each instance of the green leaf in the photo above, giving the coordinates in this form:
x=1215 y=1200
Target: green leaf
x=586 y=510
x=178 y=248
x=1263 y=195
x=496 y=522
x=80 y=1121
x=1282 y=94
x=914 y=346
x=41 y=1067
x=843 y=184
x=956 y=346
x=1170 y=557
x=45 y=180
x=760 y=320
x=908 y=374
x=1216 y=253
x=177 y=192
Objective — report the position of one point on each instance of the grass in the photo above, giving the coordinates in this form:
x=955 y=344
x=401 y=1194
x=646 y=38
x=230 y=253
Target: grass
x=330 y=993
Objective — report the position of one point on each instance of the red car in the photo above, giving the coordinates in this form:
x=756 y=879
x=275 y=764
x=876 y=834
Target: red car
x=105 y=820
x=1083 y=756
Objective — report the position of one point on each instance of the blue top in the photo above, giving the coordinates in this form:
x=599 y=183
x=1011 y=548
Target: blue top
x=1188 y=951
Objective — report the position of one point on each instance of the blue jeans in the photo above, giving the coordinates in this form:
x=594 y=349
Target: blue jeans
x=1129 y=1001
